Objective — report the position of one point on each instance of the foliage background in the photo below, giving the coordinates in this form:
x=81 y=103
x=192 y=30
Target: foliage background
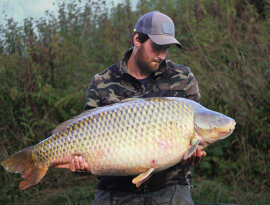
x=47 y=64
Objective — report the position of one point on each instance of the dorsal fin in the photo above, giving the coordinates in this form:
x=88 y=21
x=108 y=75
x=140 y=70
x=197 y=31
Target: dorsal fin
x=130 y=99
x=65 y=124
x=146 y=99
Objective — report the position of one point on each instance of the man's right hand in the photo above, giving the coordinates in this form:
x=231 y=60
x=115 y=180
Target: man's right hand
x=79 y=164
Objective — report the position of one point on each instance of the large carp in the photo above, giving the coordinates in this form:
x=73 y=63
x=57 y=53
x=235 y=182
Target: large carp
x=134 y=137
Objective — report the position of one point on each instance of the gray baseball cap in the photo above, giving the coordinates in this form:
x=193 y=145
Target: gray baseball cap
x=158 y=26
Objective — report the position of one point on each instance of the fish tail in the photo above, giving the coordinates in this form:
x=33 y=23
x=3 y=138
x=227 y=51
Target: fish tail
x=22 y=162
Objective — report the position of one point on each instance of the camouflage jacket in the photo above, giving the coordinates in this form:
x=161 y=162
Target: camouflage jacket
x=115 y=84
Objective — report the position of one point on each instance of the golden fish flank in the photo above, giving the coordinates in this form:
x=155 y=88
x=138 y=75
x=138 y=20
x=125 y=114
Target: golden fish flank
x=136 y=136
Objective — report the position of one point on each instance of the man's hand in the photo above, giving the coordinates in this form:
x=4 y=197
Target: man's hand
x=79 y=164
x=195 y=158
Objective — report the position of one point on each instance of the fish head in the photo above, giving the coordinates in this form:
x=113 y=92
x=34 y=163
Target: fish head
x=212 y=126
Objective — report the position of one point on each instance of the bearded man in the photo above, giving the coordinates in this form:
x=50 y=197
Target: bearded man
x=143 y=72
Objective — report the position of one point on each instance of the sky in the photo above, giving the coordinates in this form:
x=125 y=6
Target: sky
x=21 y=9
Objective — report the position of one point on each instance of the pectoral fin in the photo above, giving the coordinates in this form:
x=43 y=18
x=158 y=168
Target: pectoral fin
x=143 y=177
x=191 y=149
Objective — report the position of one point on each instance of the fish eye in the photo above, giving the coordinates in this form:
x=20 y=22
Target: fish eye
x=220 y=121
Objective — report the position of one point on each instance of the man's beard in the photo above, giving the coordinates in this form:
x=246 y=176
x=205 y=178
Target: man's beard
x=146 y=65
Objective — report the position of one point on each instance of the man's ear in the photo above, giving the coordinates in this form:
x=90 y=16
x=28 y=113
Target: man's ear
x=136 y=41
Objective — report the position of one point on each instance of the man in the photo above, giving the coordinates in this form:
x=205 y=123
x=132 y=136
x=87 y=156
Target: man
x=144 y=72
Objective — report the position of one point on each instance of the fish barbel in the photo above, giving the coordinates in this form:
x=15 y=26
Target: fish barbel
x=134 y=137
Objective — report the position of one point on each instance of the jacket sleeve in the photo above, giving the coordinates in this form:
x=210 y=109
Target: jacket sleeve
x=92 y=96
x=192 y=89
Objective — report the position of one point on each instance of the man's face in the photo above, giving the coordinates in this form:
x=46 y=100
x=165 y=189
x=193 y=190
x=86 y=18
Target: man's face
x=150 y=55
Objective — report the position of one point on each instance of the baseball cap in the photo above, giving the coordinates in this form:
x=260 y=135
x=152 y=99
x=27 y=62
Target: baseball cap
x=158 y=26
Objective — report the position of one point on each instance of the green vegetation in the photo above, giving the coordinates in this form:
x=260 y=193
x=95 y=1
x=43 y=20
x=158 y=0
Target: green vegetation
x=47 y=65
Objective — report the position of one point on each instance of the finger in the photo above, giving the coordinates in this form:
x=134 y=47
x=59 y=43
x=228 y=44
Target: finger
x=81 y=163
x=199 y=153
x=203 y=153
x=72 y=166
x=198 y=156
x=77 y=165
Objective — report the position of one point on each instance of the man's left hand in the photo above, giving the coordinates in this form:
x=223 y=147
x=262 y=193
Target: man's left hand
x=195 y=158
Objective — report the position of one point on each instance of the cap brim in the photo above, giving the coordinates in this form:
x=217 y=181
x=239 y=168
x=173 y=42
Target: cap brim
x=164 y=40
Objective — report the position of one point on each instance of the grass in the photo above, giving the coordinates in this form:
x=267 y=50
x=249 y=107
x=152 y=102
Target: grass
x=71 y=195
x=212 y=191
x=62 y=187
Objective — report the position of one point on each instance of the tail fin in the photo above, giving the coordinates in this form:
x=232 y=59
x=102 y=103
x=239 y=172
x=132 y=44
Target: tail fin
x=22 y=162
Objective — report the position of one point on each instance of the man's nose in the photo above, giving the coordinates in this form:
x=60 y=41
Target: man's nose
x=162 y=54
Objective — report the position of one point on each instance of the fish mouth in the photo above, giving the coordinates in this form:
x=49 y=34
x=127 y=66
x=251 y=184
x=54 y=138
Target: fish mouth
x=226 y=133
x=232 y=127
x=217 y=133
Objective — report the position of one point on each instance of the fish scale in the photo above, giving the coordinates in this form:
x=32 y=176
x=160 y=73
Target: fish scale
x=136 y=136
x=105 y=120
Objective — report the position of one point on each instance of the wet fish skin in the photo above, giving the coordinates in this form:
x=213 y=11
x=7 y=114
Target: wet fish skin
x=127 y=138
